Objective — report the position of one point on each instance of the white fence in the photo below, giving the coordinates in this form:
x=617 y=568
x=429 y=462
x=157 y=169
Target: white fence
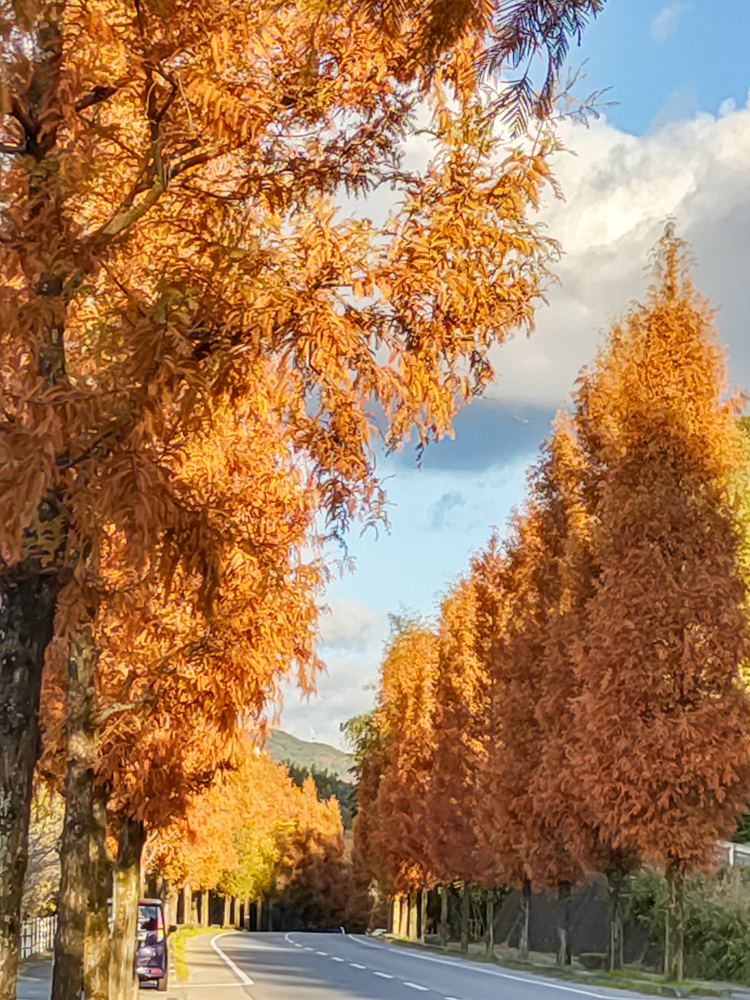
x=735 y=855
x=37 y=935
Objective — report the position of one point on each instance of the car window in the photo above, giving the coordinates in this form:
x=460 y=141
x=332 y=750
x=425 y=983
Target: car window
x=150 y=924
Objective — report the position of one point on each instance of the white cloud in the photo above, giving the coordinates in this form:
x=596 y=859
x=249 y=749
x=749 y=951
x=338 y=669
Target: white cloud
x=665 y=24
x=619 y=191
x=351 y=637
x=349 y=626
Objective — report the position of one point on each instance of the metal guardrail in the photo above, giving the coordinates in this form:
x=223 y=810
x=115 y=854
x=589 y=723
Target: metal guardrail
x=38 y=935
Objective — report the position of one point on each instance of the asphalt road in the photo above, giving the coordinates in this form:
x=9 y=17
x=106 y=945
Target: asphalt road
x=299 y=966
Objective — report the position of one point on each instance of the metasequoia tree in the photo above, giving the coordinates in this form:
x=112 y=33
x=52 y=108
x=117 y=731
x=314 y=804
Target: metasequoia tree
x=169 y=689
x=459 y=726
x=404 y=717
x=663 y=719
x=556 y=840
x=166 y=225
x=515 y=665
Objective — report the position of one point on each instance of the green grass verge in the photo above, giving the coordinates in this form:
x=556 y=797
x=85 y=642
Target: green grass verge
x=177 y=943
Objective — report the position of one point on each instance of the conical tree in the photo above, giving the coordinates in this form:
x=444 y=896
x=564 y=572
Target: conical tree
x=662 y=755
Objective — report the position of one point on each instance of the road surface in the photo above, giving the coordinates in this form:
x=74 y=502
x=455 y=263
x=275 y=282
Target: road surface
x=300 y=966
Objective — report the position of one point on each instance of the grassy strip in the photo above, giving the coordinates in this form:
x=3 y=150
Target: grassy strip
x=177 y=942
x=624 y=979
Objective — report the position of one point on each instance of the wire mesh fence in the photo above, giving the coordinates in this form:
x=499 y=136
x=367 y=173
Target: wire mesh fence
x=37 y=935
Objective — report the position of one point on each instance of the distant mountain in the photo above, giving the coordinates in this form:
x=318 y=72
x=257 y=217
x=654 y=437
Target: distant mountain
x=284 y=747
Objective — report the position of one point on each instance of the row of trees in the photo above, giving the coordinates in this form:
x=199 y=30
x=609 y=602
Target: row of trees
x=193 y=345
x=578 y=705
x=258 y=836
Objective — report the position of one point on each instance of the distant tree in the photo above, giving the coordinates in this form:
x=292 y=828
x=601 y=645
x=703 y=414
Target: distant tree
x=327 y=786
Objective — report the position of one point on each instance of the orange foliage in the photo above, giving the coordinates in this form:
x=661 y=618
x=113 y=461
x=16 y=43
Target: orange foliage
x=580 y=707
x=663 y=719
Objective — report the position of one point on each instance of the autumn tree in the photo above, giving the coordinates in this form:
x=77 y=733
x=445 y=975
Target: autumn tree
x=663 y=755
x=405 y=716
x=168 y=222
x=459 y=722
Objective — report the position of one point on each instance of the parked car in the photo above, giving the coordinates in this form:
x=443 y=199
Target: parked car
x=151 y=956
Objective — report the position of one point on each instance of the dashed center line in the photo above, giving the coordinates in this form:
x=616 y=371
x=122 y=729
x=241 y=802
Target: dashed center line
x=335 y=958
x=325 y=953
x=309 y=949
x=416 y=986
x=383 y=975
x=356 y=965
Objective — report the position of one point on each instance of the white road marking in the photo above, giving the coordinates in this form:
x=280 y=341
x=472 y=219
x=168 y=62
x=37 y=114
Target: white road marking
x=309 y=949
x=416 y=986
x=245 y=979
x=335 y=958
x=325 y=953
x=383 y=975
x=356 y=965
x=296 y=945
x=491 y=972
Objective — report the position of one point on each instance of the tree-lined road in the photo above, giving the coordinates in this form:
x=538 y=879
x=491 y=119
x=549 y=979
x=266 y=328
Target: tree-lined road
x=299 y=966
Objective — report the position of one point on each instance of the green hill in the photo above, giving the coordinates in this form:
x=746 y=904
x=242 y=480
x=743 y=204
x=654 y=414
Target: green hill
x=284 y=747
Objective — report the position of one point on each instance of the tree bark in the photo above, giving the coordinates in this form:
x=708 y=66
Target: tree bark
x=413 y=915
x=187 y=905
x=96 y=948
x=225 y=913
x=27 y=613
x=423 y=896
x=523 y=940
x=259 y=914
x=127 y=886
x=674 y=938
x=490 y=929
x=615 y=938
x=75 y=848
x=564 y=956
x=465 y=913
x=444 y=915
x=205 y=908
x=172 y=894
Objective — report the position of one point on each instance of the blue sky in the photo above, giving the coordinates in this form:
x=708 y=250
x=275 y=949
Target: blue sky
x=678 y=144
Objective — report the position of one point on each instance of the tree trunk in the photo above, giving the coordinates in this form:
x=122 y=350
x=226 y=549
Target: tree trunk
x=674 y=938
x=444 y=915
x=187 y=905
x=490 y=929
x=465 y=913
x=615 y=938
x=563 y=924
x=259 y=914
x=127 y=886
x=423 y=915
x=75 y=847
x=523 y=940
x=27 y=613
x=413 y=911
x=225 y=912
x=96 y=948
x=172 y=895
x=206 y=908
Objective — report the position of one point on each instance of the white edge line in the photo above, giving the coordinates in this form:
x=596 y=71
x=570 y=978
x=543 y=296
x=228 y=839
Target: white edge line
x=475 y=967
x=242 y=976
